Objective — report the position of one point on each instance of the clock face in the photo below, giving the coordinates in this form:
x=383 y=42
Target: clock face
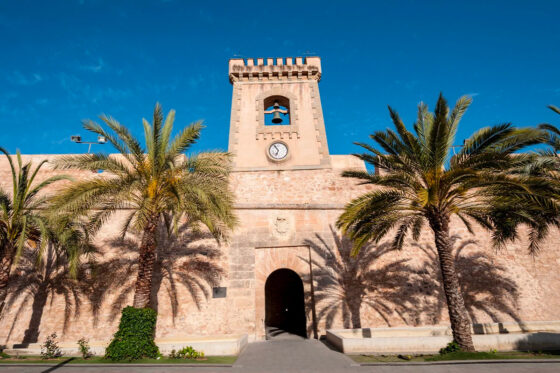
x=278 y=150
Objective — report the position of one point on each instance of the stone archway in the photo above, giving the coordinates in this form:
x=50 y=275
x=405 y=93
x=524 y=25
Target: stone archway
x=284 y=304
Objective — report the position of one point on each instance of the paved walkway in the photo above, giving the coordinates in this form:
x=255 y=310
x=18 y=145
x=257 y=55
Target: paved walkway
x=292 y=355
x=300 y=356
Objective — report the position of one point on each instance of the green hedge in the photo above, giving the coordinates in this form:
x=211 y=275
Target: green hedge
x=135 y=338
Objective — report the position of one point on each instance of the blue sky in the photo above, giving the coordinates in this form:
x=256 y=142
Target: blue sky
x=64 y=61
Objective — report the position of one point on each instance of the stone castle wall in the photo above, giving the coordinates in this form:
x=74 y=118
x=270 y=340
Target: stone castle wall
x=286 y=221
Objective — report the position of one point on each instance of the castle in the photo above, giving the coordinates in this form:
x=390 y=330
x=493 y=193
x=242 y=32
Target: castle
x=284 y=267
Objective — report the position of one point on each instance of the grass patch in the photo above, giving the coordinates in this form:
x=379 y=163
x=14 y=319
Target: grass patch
x=100 y=360
x=459 y=355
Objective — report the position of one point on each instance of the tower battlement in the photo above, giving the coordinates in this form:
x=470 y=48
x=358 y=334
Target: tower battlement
x=283 y=68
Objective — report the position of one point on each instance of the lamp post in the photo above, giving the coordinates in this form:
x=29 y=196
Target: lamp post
x=78 y=140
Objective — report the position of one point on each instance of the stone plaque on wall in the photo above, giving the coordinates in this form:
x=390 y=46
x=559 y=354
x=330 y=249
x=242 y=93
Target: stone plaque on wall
x=219 y=292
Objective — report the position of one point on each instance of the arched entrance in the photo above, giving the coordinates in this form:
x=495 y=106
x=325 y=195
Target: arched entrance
x=284 y=304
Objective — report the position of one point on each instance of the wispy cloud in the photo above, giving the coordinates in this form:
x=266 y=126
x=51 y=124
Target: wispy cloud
x=18 y=78
x=95 y=68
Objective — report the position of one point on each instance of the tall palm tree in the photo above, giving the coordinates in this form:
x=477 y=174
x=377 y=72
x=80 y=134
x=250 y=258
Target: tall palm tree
x=159 y=183
x=421 y=180
x=21 y=221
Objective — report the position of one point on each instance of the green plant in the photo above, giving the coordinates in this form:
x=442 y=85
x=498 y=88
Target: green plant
x=50 y=349
x=451 y=347
x=4 y=355
x=85 y=350
x=186 y=353
x=420 y=179
x=135 y=338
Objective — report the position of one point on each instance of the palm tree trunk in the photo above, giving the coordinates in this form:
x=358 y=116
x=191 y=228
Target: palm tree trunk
x=5 y=267
x=460 y=324
x=146 y=263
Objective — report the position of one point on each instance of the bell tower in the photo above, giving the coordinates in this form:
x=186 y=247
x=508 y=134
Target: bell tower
x=276 y=115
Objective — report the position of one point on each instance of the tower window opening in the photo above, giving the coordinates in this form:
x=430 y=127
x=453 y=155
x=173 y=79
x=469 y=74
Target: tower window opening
x=276 y=111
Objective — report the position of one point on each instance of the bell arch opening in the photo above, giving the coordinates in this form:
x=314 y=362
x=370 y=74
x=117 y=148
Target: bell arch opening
x=284 y=304
x=276 y=111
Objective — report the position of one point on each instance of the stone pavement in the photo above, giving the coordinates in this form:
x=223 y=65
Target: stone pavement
x=300 y=356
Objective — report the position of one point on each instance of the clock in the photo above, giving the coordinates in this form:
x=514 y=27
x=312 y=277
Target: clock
x=278 y=151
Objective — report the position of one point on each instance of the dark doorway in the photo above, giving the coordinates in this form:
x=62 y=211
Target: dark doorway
x=284 y=305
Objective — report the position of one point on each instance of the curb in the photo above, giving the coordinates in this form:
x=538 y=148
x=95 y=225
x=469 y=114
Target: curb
x=463 y=362
x=112 y=365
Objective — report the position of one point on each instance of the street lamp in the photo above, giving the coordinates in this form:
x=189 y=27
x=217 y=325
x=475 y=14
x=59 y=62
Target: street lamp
x=78 y=140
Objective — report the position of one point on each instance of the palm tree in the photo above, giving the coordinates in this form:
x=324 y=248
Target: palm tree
x=21 y=221
x=158 y=184
x=421 y=180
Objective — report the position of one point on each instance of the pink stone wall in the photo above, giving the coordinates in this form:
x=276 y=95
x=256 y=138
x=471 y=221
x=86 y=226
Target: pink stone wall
x=286 y=218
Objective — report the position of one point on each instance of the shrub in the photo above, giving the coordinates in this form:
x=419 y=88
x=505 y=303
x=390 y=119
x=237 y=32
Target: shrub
x=451 y=347
x=186 y=353
x=135 y=338
x=50 y=349
x=84 y=348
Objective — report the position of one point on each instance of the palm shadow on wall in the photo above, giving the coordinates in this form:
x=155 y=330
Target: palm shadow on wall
x=343 y=284
x=187 y=259
x=183 y=259
x=39 y=284
x=485 y=286
x=412 y=293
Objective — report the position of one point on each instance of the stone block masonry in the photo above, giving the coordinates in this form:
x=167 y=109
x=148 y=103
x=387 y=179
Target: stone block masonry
x=286 y=217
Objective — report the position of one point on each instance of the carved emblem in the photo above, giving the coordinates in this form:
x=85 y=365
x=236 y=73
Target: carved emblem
x=281 y=225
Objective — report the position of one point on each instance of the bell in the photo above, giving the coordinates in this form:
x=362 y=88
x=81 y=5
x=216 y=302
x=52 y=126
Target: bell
x=276 y=118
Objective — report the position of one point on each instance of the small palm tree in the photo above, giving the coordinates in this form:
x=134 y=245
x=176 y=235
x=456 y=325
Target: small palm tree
x=21 y=221
x=421 y=180
x=158 y=184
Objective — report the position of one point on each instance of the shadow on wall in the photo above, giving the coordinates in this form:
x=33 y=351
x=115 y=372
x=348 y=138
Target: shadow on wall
x=38 y=284
x=485 y=286
x=183 y=259
x=186 y=259
x=398 y=290
x=343 y=284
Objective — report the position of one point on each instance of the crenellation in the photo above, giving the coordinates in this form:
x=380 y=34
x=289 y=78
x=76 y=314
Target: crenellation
x=288 y=68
